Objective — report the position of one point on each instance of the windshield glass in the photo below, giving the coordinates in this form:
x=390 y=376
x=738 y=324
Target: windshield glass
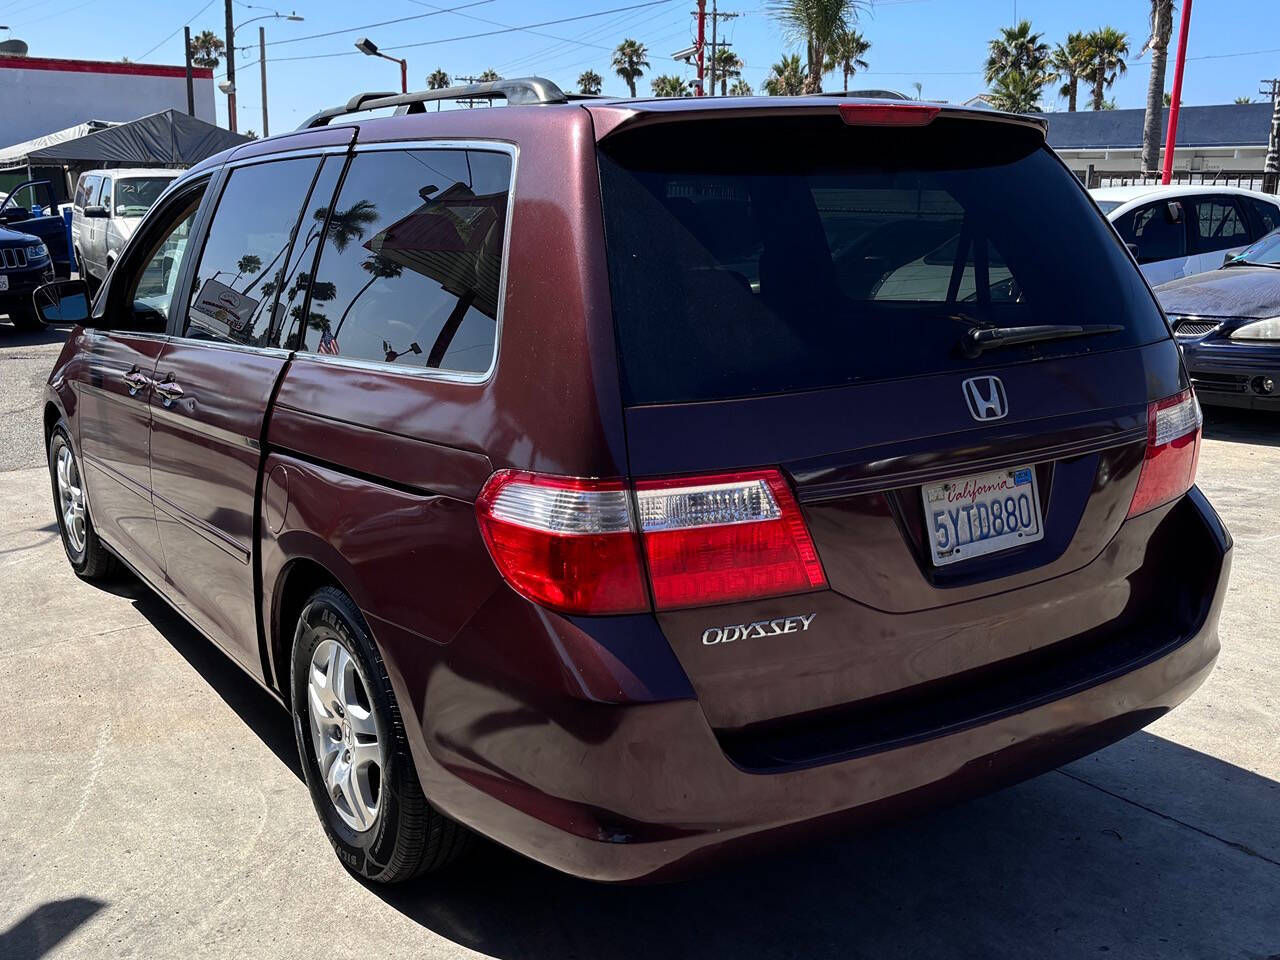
x=1266 y=250
x=771 y=255
x=135 y=196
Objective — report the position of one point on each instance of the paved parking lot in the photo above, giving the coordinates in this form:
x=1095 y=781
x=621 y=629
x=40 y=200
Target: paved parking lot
x=152 y=804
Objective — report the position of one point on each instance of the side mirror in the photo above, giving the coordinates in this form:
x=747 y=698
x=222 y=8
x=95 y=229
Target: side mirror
x=96 y=212
x=63 y=301
x=1173 y=211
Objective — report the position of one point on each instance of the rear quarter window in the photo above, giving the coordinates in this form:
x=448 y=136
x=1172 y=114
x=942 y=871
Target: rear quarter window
x=763 y=256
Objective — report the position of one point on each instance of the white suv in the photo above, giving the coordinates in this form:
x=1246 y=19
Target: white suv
x=1181 y=230
x=108 y=206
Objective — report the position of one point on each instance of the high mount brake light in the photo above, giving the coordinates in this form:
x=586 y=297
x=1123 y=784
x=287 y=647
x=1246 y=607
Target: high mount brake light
x=1173 y=449
x=573 y=545
x=888 y=114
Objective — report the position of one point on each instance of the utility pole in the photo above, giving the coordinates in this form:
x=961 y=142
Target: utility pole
x=262 y=64
x=1271 y=168
x=231 y=71
x=469 y=102
x=1175 y=101
x=702 y=27
x=191 y=90
x=716 y=16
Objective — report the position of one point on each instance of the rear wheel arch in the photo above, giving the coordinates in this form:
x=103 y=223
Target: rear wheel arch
x=299 y=578
x=51 y=417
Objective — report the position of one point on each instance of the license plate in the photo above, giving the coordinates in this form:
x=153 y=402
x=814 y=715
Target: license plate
x=4 y=282
x=977 y=515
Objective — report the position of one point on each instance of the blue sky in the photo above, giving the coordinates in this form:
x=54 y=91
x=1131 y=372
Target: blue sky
x=938 y=43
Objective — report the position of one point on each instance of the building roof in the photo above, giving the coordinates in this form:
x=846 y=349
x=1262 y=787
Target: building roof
x=102 y=66
x=167 y=138
x=1219 y=125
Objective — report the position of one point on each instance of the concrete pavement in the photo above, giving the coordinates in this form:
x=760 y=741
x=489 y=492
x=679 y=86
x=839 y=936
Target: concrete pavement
x=151 y=803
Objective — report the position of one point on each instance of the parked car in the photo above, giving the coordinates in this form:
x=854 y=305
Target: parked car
x=40 y=218
x=1228 y=324
x=635 y=482
x=1177 y=231
x=106 y=210
x=24 y=265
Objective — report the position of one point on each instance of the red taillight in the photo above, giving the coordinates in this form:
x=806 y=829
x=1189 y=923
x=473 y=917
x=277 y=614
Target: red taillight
x=718 y=539
x=565 y=543
x=573 y=545
x=1173 y=448
x=888 y=114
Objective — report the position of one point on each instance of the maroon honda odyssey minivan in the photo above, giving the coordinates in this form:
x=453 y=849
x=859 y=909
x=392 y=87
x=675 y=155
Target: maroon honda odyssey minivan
x=638 y=482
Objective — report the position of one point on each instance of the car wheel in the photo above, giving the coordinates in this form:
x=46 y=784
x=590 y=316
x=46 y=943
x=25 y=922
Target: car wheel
x=354 y=751
x=24 y=318
x=89 y=558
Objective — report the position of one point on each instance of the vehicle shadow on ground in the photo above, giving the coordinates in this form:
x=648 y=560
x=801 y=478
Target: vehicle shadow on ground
x=1147 y=849
x=38 y=933
x=10 y=336
x=1242 y=426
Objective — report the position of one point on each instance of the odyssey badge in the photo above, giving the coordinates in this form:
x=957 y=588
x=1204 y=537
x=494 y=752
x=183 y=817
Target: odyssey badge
x=758 y=628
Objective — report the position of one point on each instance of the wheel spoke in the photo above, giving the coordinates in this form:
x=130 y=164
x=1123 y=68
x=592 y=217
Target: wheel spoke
x=361 y=720
x=365 y=752
x=355 y=792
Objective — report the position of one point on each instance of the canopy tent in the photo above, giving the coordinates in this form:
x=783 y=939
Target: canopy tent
x=166 y=139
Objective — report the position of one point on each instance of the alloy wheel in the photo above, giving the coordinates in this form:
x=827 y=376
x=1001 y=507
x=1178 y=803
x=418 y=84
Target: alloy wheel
x=71 y=499
x=344 y=731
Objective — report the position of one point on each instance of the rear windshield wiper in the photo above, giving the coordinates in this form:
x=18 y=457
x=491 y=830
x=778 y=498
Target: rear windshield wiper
x=976 y=340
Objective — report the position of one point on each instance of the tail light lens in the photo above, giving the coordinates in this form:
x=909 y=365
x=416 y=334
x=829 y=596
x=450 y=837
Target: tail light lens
x=574 y=546
x=567 y=544
x=723 y=538
x=1173 y=448
x=888 y=114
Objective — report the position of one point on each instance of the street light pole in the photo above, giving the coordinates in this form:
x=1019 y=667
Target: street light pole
x=262 y=64
x=370 y=49
x=191 y=91
x=231 y=71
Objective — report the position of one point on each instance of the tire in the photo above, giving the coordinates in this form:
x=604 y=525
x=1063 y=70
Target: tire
x=89 y=559
x=24 y=318
x=399 y=835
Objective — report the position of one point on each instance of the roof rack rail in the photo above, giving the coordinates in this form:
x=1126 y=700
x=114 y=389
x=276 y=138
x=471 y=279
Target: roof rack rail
x=517 y=92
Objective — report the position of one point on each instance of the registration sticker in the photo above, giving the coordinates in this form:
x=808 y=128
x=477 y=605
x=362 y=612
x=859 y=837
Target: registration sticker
x=973 y=516
x=4 y=281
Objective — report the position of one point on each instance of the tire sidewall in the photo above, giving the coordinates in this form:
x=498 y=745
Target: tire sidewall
x=329 y=614
x=58 y=438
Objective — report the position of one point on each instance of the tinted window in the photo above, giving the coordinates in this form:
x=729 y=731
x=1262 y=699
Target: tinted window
x=91 y=186
x=1155 y=235
x=104 y=198
x=153 y=274
x=80 y=192
x=410 y=273
x=1268 y=213
x=243 y=258
x=761 y=256
x=1216 y=224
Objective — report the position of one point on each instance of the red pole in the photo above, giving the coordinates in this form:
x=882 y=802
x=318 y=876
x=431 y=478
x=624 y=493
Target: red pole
x=1175 y=100
x=404 y=76
x=702 y=23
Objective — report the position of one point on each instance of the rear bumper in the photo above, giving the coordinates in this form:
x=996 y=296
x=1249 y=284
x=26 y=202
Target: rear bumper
x=631 y=790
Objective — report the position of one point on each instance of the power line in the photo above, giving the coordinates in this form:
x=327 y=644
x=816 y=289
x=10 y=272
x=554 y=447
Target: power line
x=186 y=23
x=366 y=26
x=472 y=36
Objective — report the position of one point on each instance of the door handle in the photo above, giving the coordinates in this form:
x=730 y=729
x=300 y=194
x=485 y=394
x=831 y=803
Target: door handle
x=135 y=380
x=168 y=390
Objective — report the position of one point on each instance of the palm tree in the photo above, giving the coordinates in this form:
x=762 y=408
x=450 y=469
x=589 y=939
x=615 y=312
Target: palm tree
x=348 y=225
x=1017 y=68
x=670 y=86
x=489 y=76
x=787 y=79
x=1016 y=92
x=630 y=61
x=846 y=55
x=1107 y=49
x=816 y=24
x=1158 y=44
x=438 y=80
x=740 y=88
x=1071 y=60
x=206 y=49
x=728 y=66
x=1242 y=100
x=250 y=263
x=590 y=83
x=919 y=89
x=379 y=268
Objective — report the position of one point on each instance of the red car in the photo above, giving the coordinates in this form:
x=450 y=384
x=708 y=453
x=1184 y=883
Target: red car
x=636 y=482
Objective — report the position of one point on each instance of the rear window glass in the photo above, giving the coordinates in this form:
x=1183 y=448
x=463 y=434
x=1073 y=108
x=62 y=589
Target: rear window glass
x=753 y=257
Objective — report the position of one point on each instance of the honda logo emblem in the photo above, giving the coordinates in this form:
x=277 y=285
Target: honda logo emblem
x=986 y=398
